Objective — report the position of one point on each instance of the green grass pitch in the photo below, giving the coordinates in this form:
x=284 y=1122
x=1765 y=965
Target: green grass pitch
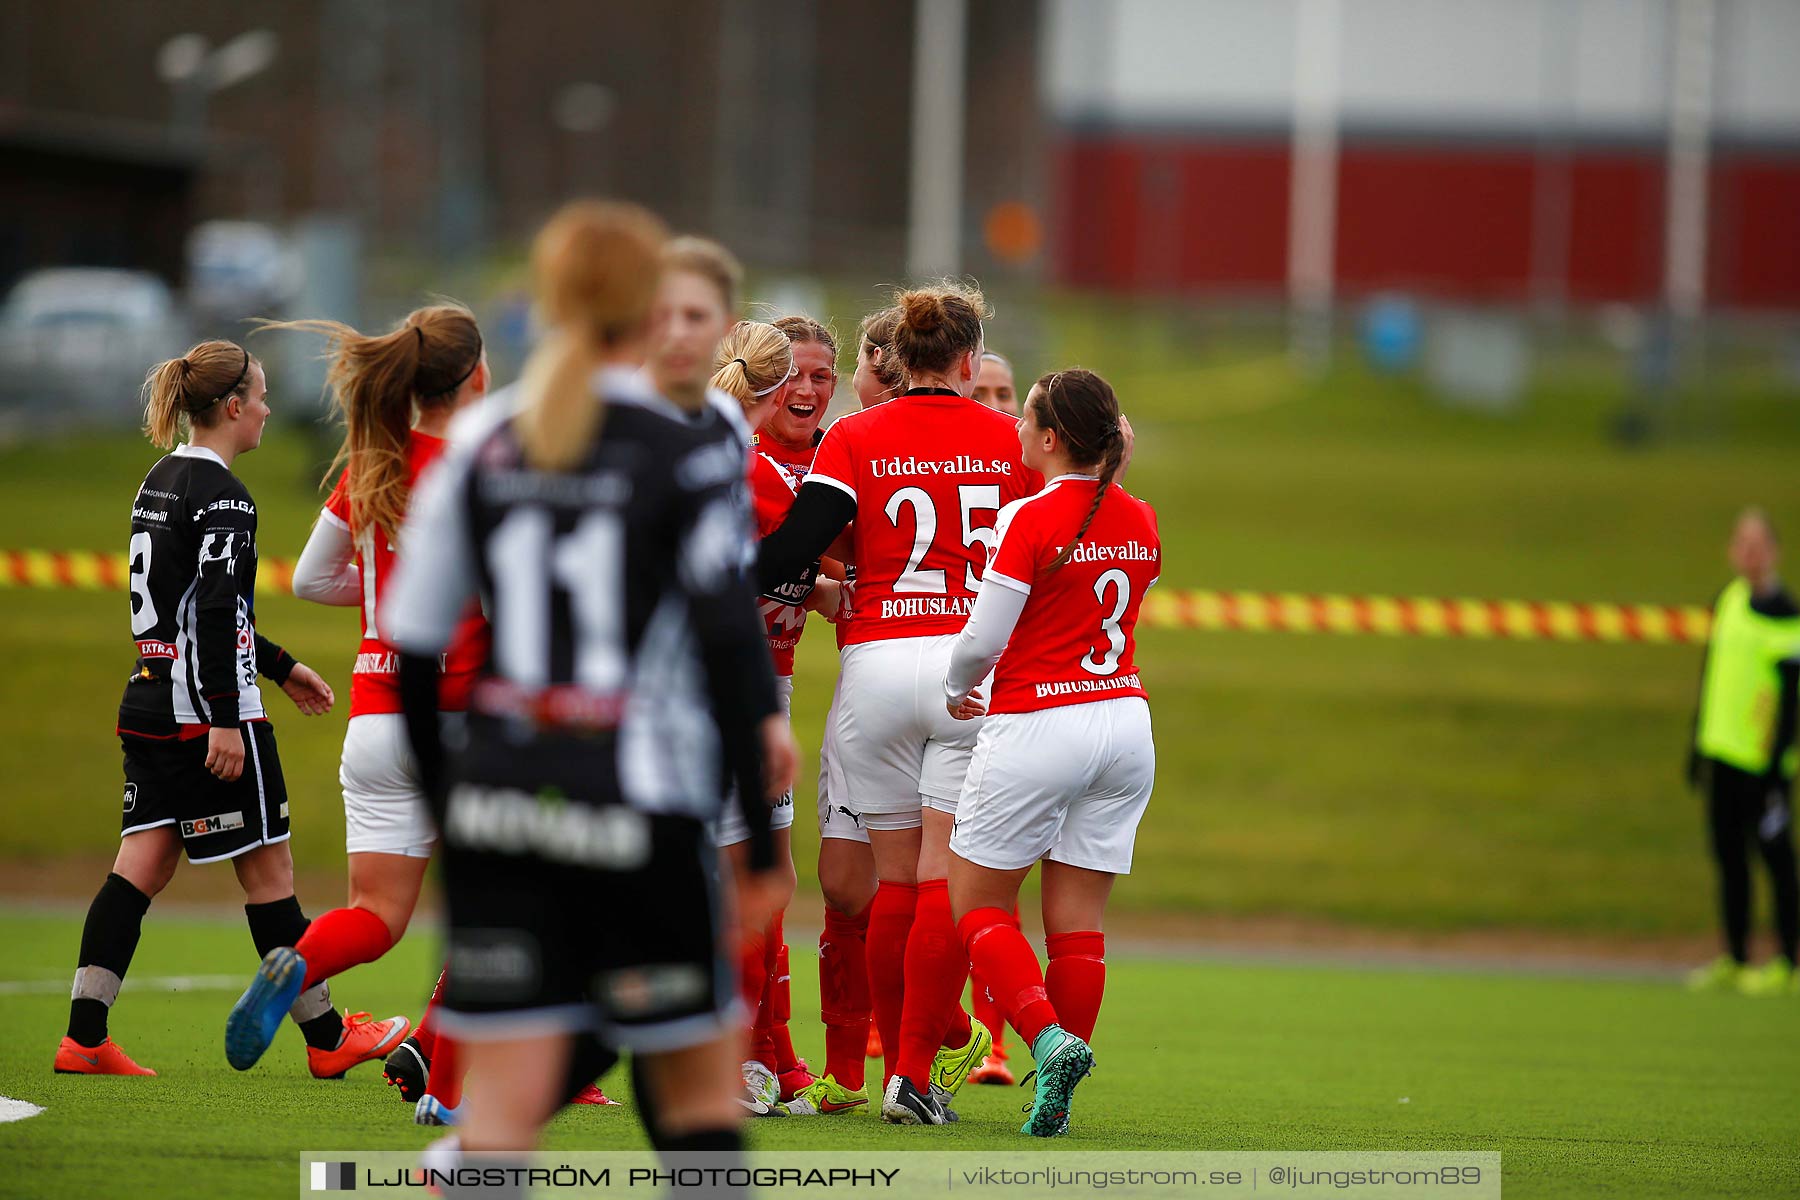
x=1585 y=1086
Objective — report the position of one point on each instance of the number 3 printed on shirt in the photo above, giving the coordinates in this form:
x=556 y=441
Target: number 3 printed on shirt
x=1109 y=625
x=143 y=609
x=971 y=498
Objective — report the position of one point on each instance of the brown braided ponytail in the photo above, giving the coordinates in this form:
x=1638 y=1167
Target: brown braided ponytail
x=1081 y=409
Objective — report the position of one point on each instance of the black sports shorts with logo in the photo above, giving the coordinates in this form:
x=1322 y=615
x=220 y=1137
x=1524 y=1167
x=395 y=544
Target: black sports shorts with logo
x=569 y=916
x=167 y=783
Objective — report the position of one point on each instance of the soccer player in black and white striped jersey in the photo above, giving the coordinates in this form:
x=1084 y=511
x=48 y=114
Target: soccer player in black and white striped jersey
x=602 y=526
x=201 y=772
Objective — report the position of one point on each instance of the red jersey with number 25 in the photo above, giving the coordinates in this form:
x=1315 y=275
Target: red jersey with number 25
x=375 y=681
x=930 y=473
x=784 y=611
x=1074 y=641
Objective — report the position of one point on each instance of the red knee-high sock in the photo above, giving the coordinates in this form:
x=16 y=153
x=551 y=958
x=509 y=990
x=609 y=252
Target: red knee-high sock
x=890 y=923
x=844 y=994
x=1005 y=960
x=781 y=998
x=985 y=1008
x=957 y=1032
x=1076 y=979
x=426 y=1031
x=753 y=984
x=981 y=1000
x=339 y=940
x=936 y=969
x=446 y=1082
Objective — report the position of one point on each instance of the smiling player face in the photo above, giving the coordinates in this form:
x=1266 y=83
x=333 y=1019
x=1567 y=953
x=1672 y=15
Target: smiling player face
x=808 y=395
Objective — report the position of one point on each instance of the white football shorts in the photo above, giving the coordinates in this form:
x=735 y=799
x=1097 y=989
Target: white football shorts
x=1069 y=784
x=384 y=806
x=836 y=820
x=898 y=749
x=730 y=829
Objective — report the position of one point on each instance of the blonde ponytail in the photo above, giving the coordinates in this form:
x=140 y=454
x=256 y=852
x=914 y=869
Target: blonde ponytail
x=597 y=265
x=752 y=360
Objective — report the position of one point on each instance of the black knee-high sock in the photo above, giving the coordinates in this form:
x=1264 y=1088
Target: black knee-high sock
x=280 y=923
x=645 y=1095
x=108 y=940
x=589 y=1059
x=1731 y=850
x=1776 y=839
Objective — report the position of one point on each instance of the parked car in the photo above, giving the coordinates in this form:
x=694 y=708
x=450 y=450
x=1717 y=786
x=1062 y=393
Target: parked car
x=239 y=269
x=77 y=341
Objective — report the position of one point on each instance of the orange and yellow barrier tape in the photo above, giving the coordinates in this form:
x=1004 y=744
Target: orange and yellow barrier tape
x=1164 y=608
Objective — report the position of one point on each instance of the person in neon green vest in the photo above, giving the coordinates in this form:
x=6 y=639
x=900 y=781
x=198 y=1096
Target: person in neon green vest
x=1743 y=757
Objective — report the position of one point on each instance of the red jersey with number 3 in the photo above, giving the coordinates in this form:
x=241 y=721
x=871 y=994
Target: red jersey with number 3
x=1075 y=638
x=375 y=681
x=930 y=472
x=784 y=611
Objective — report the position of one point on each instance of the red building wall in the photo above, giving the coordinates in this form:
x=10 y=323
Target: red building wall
x=1209 y=214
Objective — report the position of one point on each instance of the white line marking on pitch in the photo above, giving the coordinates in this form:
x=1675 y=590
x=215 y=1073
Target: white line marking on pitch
x=154 y=983
x=17 y=1110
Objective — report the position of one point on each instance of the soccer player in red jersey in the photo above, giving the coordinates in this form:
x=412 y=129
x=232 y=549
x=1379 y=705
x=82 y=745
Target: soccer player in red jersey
x=1065 y=762
x=791 y=434
x=922 y=477
x=755 y=363
x=846 y=867
x=396 y=393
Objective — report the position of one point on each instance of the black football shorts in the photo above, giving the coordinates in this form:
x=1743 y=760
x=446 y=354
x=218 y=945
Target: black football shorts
x=568 y=917
x=167 y=783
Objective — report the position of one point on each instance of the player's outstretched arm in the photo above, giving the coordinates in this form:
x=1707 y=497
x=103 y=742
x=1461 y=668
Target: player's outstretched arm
x=819 y=514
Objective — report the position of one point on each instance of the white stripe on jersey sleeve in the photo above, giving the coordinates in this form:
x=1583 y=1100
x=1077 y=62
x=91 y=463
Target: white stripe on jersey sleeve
x=1007 y=581
x=840 y=485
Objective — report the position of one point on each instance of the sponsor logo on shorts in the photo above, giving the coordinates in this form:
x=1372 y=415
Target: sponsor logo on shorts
x=130 y=796
x=509 y=821
x=855 y=817
x=494 y=961
x=219 y=823
x=641 y=991
x=1076 y=687
x=936 y=606
x=155 y=649
x=284 y=805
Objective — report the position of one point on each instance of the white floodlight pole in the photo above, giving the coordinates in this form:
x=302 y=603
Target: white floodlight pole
x=1312 y=179
x=940 y=51
x=1690 y=129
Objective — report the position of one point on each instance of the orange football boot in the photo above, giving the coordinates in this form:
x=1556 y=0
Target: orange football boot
x=73 y=1058
x=364 y=1039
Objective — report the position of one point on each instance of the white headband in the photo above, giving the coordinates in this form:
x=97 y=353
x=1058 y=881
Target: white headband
x=793 y=370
